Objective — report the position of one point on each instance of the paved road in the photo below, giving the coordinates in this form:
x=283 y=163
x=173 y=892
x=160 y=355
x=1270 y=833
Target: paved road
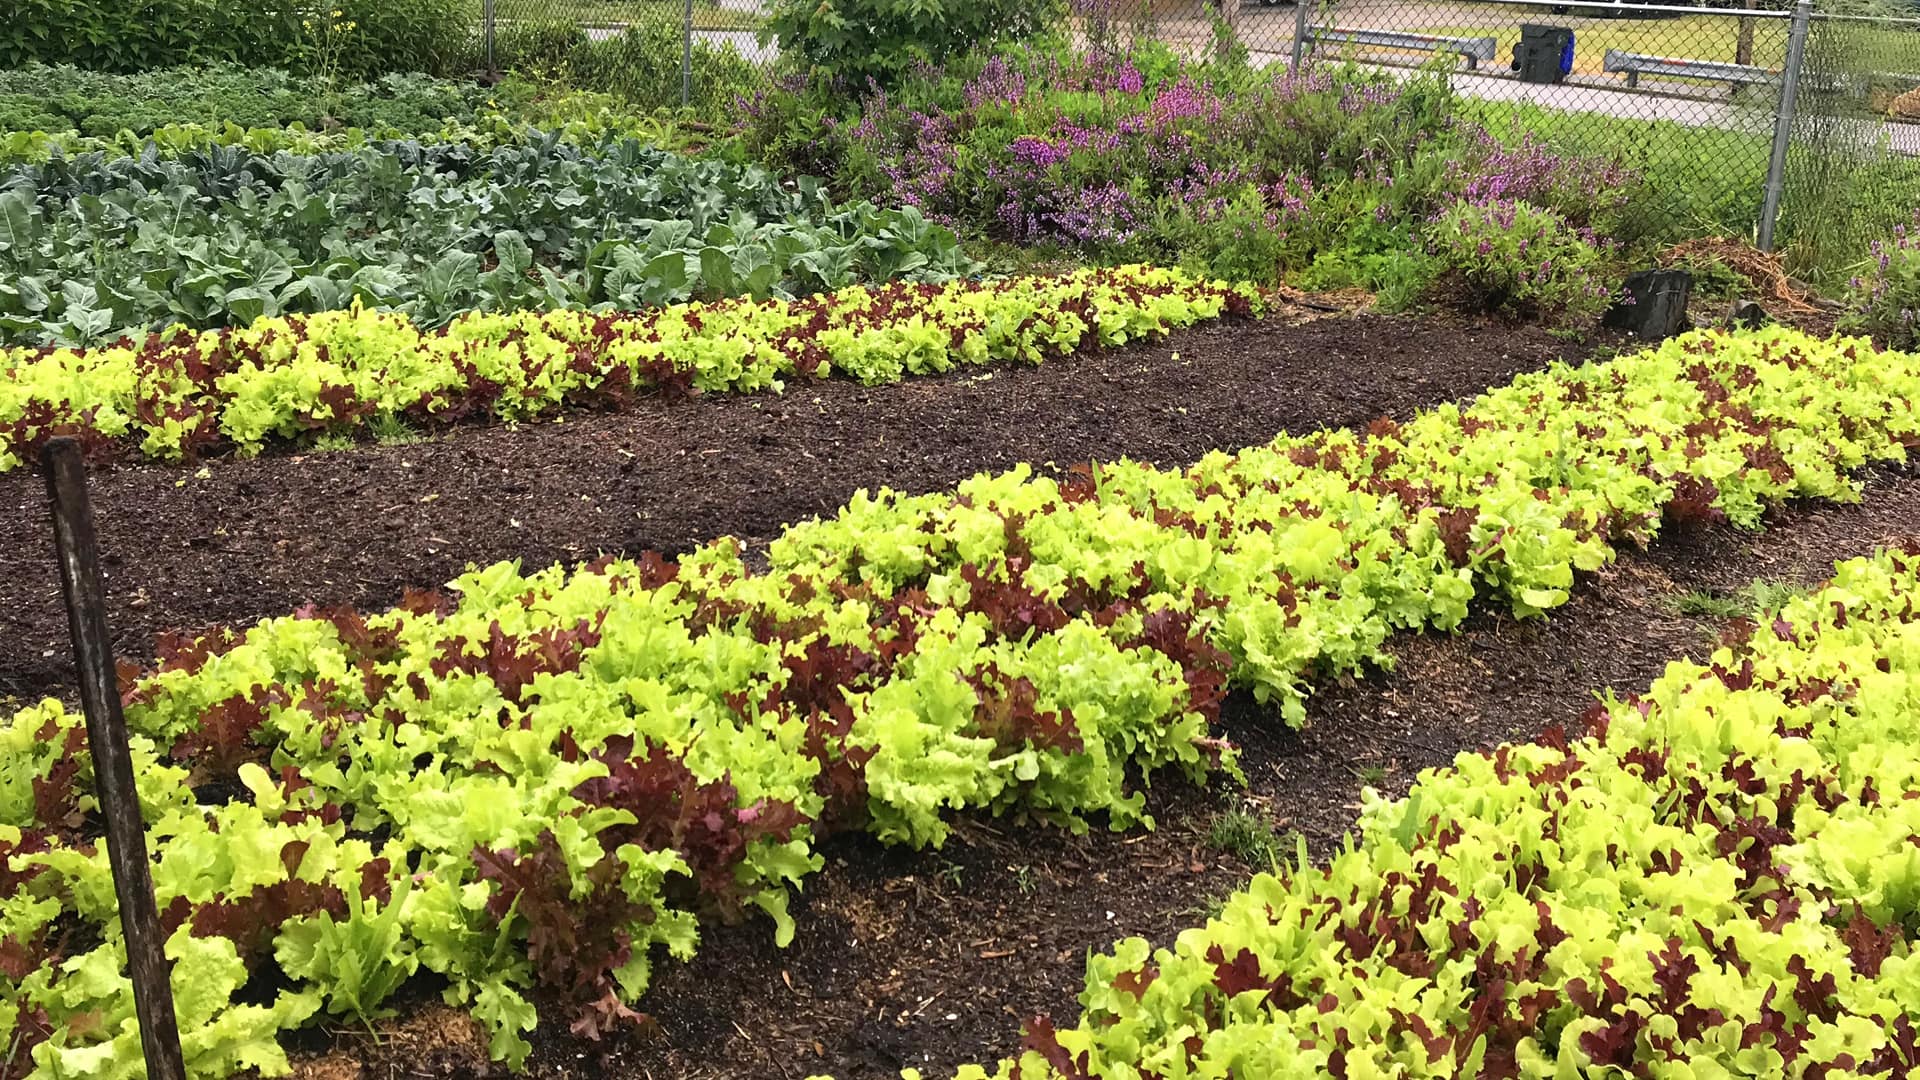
x=1900 y=138
x=744 y=42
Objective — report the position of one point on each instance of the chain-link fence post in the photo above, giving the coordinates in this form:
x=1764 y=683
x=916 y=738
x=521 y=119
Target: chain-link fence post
x=1783 y=122
x=486 y=36
x=686 y=56
x=1302 y=9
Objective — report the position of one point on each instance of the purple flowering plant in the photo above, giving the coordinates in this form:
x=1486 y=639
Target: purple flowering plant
x=1586 y=190
x=1329 y=177
x=1095 y=152
x=1508 y=256
x=1885 y=293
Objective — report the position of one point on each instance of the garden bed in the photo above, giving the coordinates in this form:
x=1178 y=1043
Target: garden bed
x=1022 y=645
x=934 y=959
x=241 y=540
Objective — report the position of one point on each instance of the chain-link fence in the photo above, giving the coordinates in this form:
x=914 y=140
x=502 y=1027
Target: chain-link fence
x=1852 y=169
x=1796 y=128
x=1727 y=113
x=656 y=52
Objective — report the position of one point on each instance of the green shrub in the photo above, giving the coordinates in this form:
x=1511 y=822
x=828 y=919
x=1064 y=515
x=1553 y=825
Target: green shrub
x=1516 y=259
x=883 y=40
x=1242 y=240
x=408 y=35
x=539 y=48
x=792 y=128
x=642 y=65
x=119 y=35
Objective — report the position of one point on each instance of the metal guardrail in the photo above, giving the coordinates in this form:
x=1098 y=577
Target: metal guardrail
x=1474 y=49
x=1638 y=64
x=1635 y=65
x=1619 y=7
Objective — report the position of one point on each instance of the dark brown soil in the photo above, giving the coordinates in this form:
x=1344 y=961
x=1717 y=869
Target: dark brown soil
x=241 y=540
x=934 y=959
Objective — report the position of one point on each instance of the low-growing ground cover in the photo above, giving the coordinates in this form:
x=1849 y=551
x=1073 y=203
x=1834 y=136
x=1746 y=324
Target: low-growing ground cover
x=179 y=394
x=450 y=778
x=96 y=245
x=1720 y=876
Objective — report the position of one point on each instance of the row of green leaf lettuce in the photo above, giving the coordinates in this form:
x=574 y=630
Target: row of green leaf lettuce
x=1721 y=879
x=182 y=394
x=546 y=785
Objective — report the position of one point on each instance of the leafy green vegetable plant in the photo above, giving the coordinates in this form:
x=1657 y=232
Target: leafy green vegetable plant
x=68 y=112
x=546 y=783
x=179 y=394
x=92 y=247
x=1716 y=881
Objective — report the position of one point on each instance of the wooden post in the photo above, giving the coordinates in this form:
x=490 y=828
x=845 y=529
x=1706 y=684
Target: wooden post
x=112 y=763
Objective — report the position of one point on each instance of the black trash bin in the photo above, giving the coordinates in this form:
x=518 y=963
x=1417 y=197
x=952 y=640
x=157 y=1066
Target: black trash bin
x=1544 y=54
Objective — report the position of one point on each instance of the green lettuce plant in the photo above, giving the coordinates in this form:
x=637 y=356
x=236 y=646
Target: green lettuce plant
x=179 y=394
x=1715 y=881
x=525 y=789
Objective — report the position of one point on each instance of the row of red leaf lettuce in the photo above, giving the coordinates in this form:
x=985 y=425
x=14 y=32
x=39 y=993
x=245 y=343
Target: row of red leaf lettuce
x=181 y=394
x=1720 y=878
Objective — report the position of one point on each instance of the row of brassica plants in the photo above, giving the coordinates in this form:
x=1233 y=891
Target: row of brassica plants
x=546 y=783
x=180 y=393
x=97 y=245
x=1721 y=878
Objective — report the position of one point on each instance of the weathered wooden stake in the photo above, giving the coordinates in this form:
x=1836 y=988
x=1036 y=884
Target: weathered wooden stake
x=112 y=763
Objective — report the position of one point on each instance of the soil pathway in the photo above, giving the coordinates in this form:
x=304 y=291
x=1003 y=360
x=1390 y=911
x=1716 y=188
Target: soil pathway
x=241 y=540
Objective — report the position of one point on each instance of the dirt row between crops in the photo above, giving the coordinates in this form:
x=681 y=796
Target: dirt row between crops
x=243 y=540
x=934 y=959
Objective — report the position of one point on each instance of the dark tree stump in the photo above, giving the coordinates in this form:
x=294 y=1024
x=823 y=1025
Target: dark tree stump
x=1654 y=306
